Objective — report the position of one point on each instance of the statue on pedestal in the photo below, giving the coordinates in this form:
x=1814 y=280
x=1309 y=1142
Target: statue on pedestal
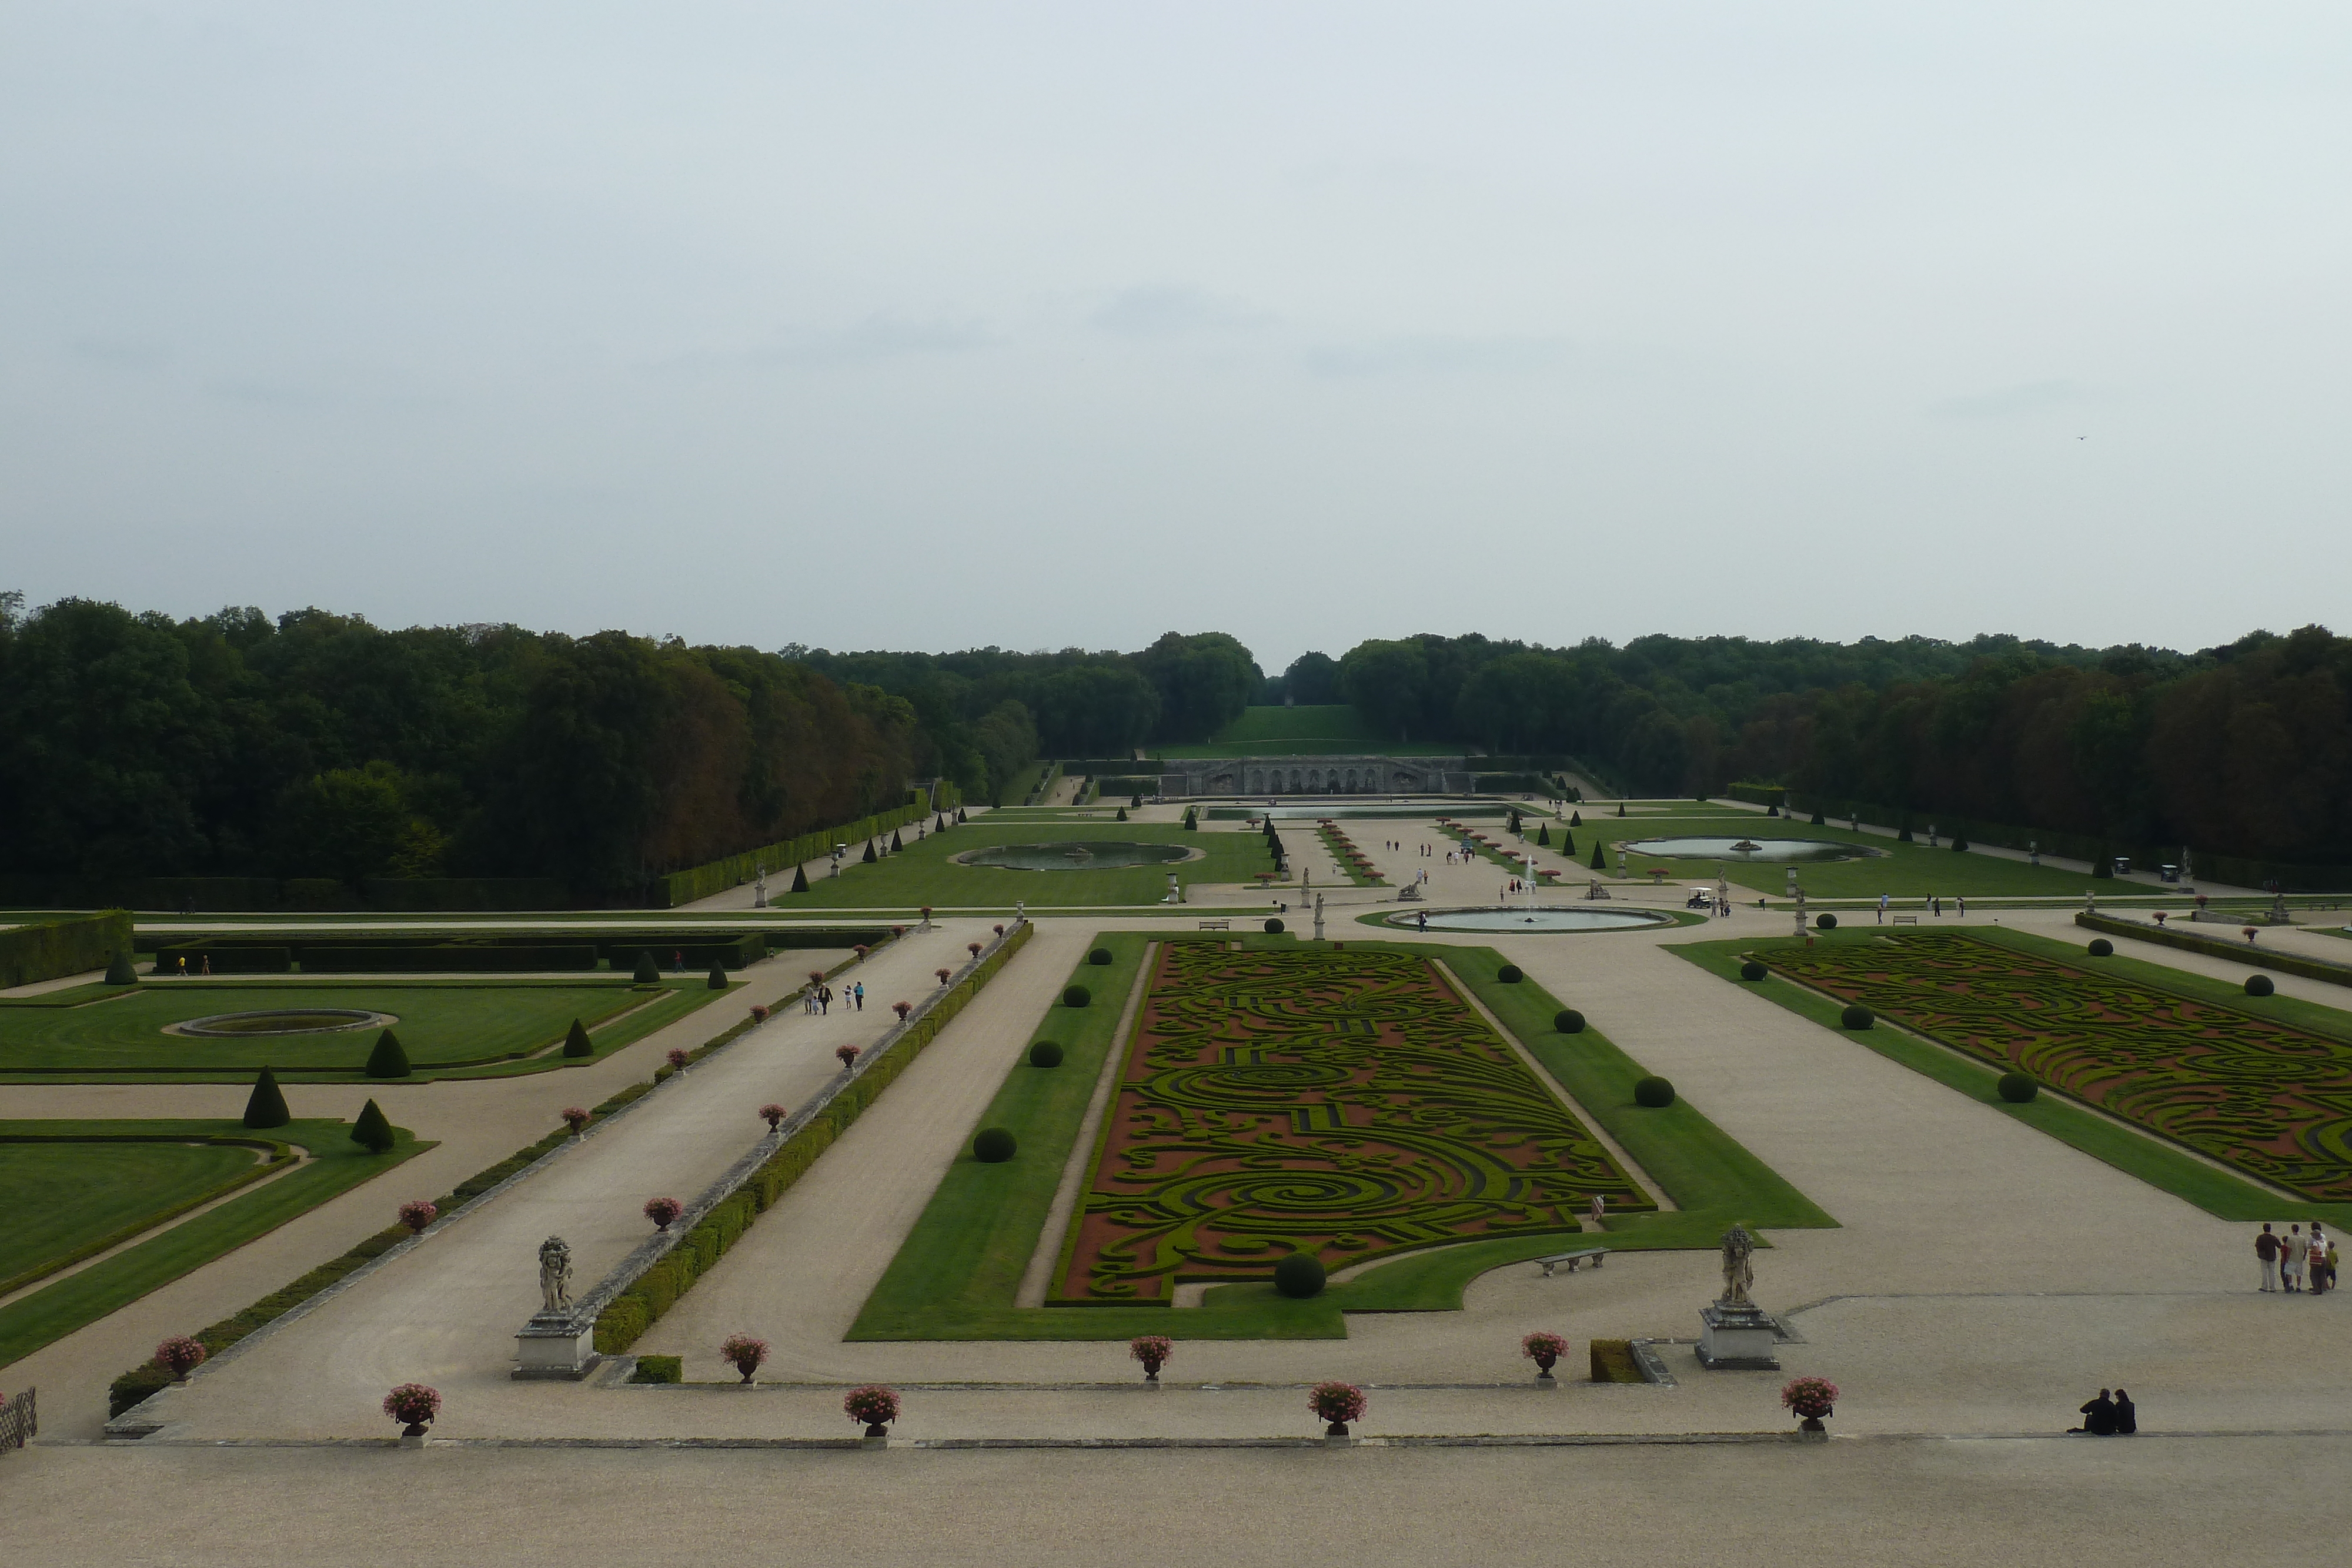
x=1738 y=1273
x=554 y=1276
x=1735 y=1332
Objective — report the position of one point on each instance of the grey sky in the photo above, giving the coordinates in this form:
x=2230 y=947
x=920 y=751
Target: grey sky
x=929 y=326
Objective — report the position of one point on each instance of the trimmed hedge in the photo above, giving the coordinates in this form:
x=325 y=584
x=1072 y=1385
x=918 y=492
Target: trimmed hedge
x=50 y=949
x=2198 y=941
x=1099 y=956
x=1567 y=1020
x=681 y=887
x=994 y=1145
x=1077 y=997
x=1045 y=1053
x=2101 y=947
x=1653 y=1093
x=224 y=957
x=2260 y=985
x=1825 y=921
x=1752 y=971
x=1856 y=1016
x=1510 y=974
x=629 y=1314
x=2016 y=1088
x=1274 y=927
x=1299 y=1276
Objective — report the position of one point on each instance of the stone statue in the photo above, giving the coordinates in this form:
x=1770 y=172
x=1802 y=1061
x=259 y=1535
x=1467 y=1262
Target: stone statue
x=554 y=1276
x=1738 y=1274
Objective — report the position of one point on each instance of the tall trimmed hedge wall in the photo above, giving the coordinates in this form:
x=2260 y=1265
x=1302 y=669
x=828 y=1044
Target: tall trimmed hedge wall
x=2218 y=946
x=629 y=1314
x=682 y=887
x=49 y=948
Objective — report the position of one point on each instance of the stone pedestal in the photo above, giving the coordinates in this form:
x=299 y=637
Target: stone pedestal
x=556 y=1346
x=1736 y=1338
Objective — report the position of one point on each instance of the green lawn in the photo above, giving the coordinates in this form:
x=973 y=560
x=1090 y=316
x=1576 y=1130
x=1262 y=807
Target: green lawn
x=957 y=1274
x=922 y=872
x=67 y=1197
x=449 y=1028
x=2160 y=1164
x=1334 y=729
x=58 y=1308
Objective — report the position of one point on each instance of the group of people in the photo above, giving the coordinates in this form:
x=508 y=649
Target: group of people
x=2294 y=1261
x=2108 y=1416
x=1934 y=906
x=819 y=997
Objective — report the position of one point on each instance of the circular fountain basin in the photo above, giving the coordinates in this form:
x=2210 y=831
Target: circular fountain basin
x=279 y=1021
x=1749 y=849
x=1078 y=854
x=1531 y=922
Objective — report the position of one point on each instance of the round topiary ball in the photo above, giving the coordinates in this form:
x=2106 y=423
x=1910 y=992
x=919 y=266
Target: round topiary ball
x=1752 y=971
x=1077 y=997
x=2017 y=1088
x=1509 y=974
x=1826 y=921
x=1856 y=1016
x=1099 y=956
x=994 y=1146
x=1299 y=1276
x=1044 y=1053
x=1567 y=1020
x=1274 y=927
x=1654 y=1093
x=2259 y=986
x=2101 y=947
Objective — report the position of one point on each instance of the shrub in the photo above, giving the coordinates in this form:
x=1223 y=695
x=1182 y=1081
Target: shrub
x=1752 y=971
x=1044 y=1053
x=1613 y=1361
x=416 y=1213
x=744 y=1354
x=994 y=1146
x=2103 y=865
x=576 y=1043
x=575 y=1117
x=659 y=1369
x=717 y=980
x=1819 y=820
x=1567 y=1020
x=1654 y=1093
x=1856 y=1016
x=1122 y=813
x=119 y=971
x=896 y=843
x=2017 y=1088
x=869 y=857
x=266 y=1106
x=1509 y=975
x=1191 y=822
x=1077 y=997
x=799 y=879
x=2101 y=947
x=1338 y=1403
x=1299 y=1276
x=1825 y=921
x=387 y=1060
x=2260 y=985
x=373 y=1131
x=648 y=972
x=873 y=1405
x=664 y=1211
x=1960 y=842
x=180 y=1355
x=1576 y=819
x=1274 y=926
x=773 y=1114
x=1099 y=956
x=1599 y=859
x=413 y=1404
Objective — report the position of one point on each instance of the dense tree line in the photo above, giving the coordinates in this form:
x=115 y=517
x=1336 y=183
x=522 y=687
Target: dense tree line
x=318 y=745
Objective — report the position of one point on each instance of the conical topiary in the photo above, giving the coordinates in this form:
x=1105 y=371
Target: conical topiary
x=267 y=1107
x=1818 y=821
x=119 y=971
x=717 y=981
x=799 y=879
x=1598 y=863
x=1621 y=807
x=1576 y=819
x=895 y=845
x=1122 y=813
x=388 y=1060
x=2102 y=864
x=576 y=1041
x=869 y=857
x=1543 y=835
x=1568 y=844
x=960 y=816
x=1903 y=836
x=371 y=1132
x=648 y=972
x=1192 y=822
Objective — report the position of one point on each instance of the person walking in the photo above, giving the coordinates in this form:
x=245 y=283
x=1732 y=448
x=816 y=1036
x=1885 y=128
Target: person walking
x=1964 y=907
x=2291 y=1256
x=825 y=1000
x=2266 y=1248
x=2127 y=1415
x=858 y=991
x=1882 y=909
x=2315 y=1259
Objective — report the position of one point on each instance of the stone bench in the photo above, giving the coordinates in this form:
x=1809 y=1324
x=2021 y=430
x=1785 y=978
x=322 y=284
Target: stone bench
x=1575 y=1260
x=1216 y=925
x=1906 y=920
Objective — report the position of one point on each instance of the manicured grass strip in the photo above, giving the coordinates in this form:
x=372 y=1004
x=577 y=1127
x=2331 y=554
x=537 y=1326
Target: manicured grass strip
x=72 y=1189
x=922 y=874
x=50 y=1313
x=2144 y=1156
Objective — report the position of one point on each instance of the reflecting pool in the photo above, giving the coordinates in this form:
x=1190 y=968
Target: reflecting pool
x=1529 y=921
x=1725 y=849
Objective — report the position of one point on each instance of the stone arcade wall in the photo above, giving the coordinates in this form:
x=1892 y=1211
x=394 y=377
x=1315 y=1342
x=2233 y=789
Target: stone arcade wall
x=1264 y=775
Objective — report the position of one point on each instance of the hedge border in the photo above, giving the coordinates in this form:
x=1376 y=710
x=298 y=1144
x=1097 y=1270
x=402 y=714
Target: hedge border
x=47 y=949
x=2308 y=968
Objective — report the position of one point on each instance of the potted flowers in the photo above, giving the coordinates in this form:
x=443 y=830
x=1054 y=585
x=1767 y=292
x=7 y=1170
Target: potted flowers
x=759 y=1013
x=1338 y=1404
x=1544 y=1349
x=848 y=1054
x=2248 y=933
x=942 y=974
x=744 y=1354
x=676 y=1059
x=1000 y=931
x=416 y=1213
x=1154 y=1351
x=180 y=1355
x=773 y=1114
x=414 y=1406
x=902 y=1009
x=575 y=1117
x=1811 y=1399
x=972 y=948
x=877 y=1407
x=926 y=917
x=663 y=1210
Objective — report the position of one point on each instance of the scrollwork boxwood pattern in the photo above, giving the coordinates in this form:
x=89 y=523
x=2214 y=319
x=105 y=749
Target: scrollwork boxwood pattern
x=2267 y=1098
x=1348 y=1105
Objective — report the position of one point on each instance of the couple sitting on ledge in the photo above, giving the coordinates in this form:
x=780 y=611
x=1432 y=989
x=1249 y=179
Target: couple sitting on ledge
x=2109 y=1417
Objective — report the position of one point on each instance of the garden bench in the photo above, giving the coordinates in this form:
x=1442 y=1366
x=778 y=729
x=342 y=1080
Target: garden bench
x=1574 y=1261
x=1906 y=920
x=1216 y=925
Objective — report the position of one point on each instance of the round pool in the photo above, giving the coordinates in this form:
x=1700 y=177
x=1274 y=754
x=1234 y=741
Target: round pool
x=1078 y=854
x=1530 y=922
x=1749 y=849
x=280 y=1020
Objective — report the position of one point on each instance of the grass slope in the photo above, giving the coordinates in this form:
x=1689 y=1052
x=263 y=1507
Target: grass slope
x=961 y=1265
x=465 y=1028
x=922 y=874
x=2150 y=1158
x=58 y=1308
x=1329 y=730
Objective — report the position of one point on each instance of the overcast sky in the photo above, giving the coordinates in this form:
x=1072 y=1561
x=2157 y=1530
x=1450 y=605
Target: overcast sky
x=885 y=325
